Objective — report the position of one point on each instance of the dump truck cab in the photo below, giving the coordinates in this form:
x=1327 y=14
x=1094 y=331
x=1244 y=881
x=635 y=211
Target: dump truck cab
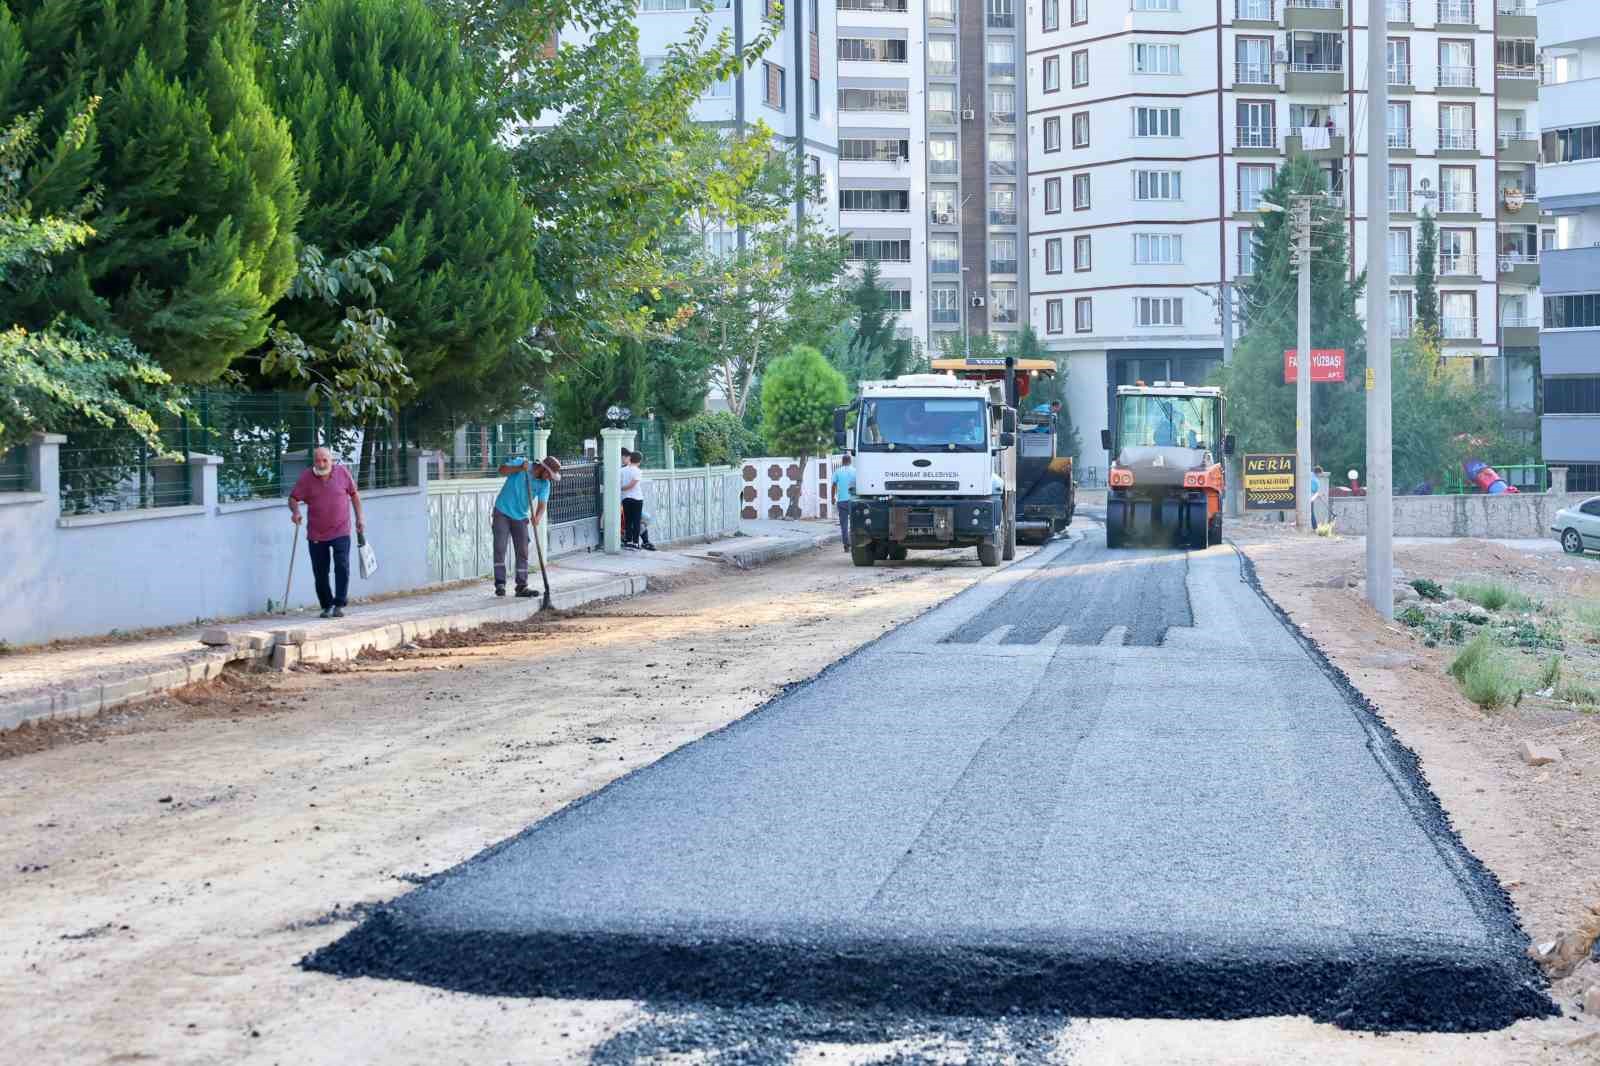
x=1166 y=482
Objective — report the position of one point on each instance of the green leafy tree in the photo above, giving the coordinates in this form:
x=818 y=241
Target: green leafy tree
x=580 y=394
x=1427 y=279
x=798 y=394
x=875 y=349
x=1440 y=417
x=1261 y=406
x=183 y=171
x=717 y=438
x=399 y=150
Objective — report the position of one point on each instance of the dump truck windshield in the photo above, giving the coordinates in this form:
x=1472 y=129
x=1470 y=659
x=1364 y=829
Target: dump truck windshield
x=1168 y=422
x=904 y=422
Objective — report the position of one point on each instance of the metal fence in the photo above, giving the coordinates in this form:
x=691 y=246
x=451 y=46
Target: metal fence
x=1526 y=477
x=263 y=439
x=651 y=440
x=478 y=448
x=577 y=495
x=15 y=475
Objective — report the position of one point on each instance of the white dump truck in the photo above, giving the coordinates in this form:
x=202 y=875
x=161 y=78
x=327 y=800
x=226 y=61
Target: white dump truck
x=935 y=460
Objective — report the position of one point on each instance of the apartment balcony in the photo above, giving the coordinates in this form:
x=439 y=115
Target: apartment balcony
x=1513 y=82
x=1400 y=76
x=1515 y=204
x=944 y=168
x=1399 y=12
x=1400 y=266
x=1458 y=78
x=1517 y=18
x=1254 y=74
x=1400 y=203
x=942 y=118
x=1313 y=14
x=1002 y=217
x=1002 y=71
x=1002 y=266
x=1002 y=316
x=1304 y=76
x=1458 y=265
x=944 y=266
x=1248 y=202
x=1518 y=146
x=1001 y=20
x=1400 y=328
x=1518 y=268
x=1519 y=331
x=1295 y=141
x=893 y=7
x=937 y=217
x=944 y=317
x=1458 y=140
x=1003 y=168
x=1255 y=11
x=1458 y=202
x=1256 y=139
x=1458 y=13
x=1459 y=327
x=1002 y=118
x=1401 y=140
x=1244 y=266
x=942 y=67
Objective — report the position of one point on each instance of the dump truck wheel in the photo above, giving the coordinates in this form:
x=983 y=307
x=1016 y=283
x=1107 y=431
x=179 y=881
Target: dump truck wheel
x=1216 y=530
x=1198 y=526
x=863 y=554
x=1116 y=522
x=989 y=553
x=898 y=554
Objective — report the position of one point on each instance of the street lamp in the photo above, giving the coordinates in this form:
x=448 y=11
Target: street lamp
x=614 y=415
x=538 y=414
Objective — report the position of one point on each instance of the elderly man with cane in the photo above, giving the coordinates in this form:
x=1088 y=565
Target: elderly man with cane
x=519 y=507
x=330 y=492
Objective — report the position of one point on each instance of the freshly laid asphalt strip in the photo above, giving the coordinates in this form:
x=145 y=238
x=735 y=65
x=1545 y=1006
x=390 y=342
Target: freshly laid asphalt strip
x=1105 y=783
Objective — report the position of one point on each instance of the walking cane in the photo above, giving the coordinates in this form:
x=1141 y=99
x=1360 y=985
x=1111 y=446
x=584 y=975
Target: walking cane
x=537 y=547
x=294 y=549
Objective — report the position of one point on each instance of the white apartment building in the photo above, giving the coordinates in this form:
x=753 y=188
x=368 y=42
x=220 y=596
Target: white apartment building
x=1149 y=151
x=1569 y=190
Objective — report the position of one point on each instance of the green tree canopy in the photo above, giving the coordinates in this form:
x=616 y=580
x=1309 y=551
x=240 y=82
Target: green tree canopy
x=1427 y=278
x=399 y=149
x=184 y=173
x=798 y=394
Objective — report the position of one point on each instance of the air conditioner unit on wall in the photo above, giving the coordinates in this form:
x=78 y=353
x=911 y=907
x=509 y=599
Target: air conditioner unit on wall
x=943 y=218
x=977 y=301
x=1505 y=265
x=968 y=114
x=1280 y=56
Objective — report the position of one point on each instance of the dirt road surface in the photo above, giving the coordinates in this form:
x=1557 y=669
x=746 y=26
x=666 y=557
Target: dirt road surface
x=164 y=870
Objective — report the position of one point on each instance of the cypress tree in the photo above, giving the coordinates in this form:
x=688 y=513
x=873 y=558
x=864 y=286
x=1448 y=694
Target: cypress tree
x=1427 y=322
x=399 y=149
x=185 y=174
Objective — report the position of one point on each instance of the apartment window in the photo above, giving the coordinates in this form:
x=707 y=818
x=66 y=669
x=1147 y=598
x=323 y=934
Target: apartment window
x=944 y=255
x=1455 y=64
x=1052 y=74
x=1458 y=189
x=1254 y=180
x=942 y=158
x=1052 y=133
x=1581 y=311
x=776 y=88
x=681 y=5
x=1080 y=129
x=897 y=299
x=1002 y=154
x=1156 y=122
x=1158 y=185
x=1002 y=304
x=1052 y=254
x=874 y=200
x=1457 y=252
x=1003 y=205
x=1002 y=15
x=1572 y=144
x=1155 y=5
x=1083 y=314
x=1054 y=317
x=1253 y=10
x=1400 y=251
x=942 y=104
x=874 y=150
x=1316 y=53
x=1572 y=396
x=1520 y=244
x=1080 y=192
x=1399 y=188
x=872 y=49
x=942 y=204
x=1252 y=61
x=873 y=100
x=1333 y=180
x=1458 y=314
x=1247 y=252
x=890 y=251
x=941 y=12
x=1052 y=195
x=1154 y=58
x=1398 y=56
x=1002 y=53
x=1080 y=68
x=816 y=97
x=1003 y=106
x=944 y=304
x=1457 y=126
x=1516 y=56
x=941 y=55
x=1257 y=123
x=1080 y=12
x=1157 y=249
x=1158 y=310
x=720 y=90
x=1050 y=16
x=1398 y=123
x=1082 y=252
x=1400 y=314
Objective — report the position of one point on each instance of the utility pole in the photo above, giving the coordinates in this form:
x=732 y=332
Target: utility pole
x=1302 y=377
x=1380 y=456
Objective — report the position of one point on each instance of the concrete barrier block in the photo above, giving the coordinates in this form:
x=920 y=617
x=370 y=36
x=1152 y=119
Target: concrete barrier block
x=23 y=711
x=167 y=680
x=257 y=640
x=215 y=636
x=118 y=692
x=285 y=656
x=296 y=635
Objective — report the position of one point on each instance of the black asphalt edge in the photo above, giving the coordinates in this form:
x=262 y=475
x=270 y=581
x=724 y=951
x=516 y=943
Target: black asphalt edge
x=1482 y=889
x=1374 y=985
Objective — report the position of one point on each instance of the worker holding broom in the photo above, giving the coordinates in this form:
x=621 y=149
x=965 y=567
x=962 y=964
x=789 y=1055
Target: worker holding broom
x=518 y=509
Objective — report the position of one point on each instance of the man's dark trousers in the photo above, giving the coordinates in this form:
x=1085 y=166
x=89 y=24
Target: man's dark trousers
x=336 y=551
x=632 y=519
x=844 y=523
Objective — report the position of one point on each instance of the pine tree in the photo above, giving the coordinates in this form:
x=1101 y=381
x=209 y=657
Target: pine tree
x=875 y=348
x=185 y=174
x=1427 y=322
x=399 y=150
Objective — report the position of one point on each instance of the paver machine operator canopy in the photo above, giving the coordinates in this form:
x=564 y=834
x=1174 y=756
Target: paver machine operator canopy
x=1166 y=483
x=1044 y=499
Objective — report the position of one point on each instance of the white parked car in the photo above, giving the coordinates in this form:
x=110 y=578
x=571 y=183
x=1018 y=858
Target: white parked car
x=1578 y=528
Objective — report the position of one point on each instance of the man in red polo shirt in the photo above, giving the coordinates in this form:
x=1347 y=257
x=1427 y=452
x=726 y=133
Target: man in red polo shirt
x=329 y=490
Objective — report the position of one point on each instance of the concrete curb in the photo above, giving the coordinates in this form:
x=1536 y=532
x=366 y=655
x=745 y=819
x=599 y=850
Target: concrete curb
x=282 y=649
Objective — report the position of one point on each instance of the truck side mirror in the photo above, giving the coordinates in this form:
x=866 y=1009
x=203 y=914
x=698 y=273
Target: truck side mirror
x=1008 y=420
x=840 y=436
x=1008 y=439
x=1227 y=444
x=1105 y=439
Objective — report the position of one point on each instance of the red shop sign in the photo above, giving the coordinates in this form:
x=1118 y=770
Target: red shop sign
x=1327 y=364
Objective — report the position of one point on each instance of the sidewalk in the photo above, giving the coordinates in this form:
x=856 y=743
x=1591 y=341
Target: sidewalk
x=82 y=679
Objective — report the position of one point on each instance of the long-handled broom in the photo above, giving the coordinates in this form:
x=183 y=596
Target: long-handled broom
x=533 y=530
x=294 y=549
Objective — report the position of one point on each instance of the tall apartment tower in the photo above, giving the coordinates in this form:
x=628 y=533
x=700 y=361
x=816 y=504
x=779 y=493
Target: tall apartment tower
x=930 y=158
x=1569 y=191
x=1159 y=125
